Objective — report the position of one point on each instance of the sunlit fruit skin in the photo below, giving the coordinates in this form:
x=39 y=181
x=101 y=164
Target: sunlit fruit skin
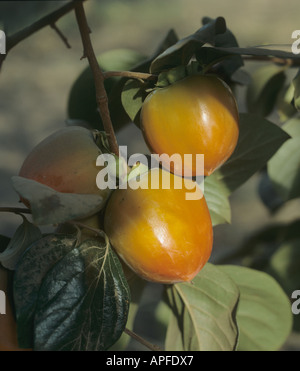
x=159 y=234
x=66 y=162
x=195 y=115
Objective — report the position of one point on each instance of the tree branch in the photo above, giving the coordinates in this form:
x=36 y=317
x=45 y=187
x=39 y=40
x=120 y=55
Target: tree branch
x=48 y=20
x=101 y=96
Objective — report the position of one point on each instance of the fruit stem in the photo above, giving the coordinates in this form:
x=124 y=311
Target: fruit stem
x=101 y=96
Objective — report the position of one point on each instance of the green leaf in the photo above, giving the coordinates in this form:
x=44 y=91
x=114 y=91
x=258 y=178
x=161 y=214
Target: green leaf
x=285 y=105
x=264 y=314
x=181 y=52
x=229 y=63
x=132 y=98
x=262 y=93
x=284 y=167
x=25 y=235
x=30 y=271
x=258 y=141
x=51 y=207
x=296 y=84
x=203 y=313
x=83 y=301
x=215 y=193
x=82 y=103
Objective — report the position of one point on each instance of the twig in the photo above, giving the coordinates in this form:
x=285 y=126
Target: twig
x=16 y=210
x=142 y=340
x=101 y=96
x=130 y=74
x=61 y=35
x=48 y=20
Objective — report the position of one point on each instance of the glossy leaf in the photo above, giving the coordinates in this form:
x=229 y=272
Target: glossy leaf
x=264 y=314
x=51 y=207
x=283 y=168
x=259 y=139
x=24 y=236
x=229 y=63
x=181 y=52
x=203 y=313
x=83 y=301
x=30 y=272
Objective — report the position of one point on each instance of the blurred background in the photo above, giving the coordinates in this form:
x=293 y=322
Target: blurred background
x=38 y=73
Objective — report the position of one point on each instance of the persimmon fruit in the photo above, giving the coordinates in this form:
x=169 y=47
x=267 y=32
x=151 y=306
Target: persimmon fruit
x=66 y=162
x=160 y=235
x=195 y=115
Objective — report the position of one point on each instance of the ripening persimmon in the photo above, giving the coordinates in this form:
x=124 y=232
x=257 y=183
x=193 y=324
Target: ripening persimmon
x=195 y=115
x=66 y=162
x=159 y=233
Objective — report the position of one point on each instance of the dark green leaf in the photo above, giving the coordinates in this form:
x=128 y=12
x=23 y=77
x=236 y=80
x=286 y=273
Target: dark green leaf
x=132 y=97
x=266 y=84
x=25 y=235
x=181 y=52
x=229 y=63
x=204 y=311
x=259 y=139
x=264 y=314
x=268 y=194
x=284 y=167
x=51 y=207
x=296 y=84
x=83 y=301
x=82 y=103
x=30 y=271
